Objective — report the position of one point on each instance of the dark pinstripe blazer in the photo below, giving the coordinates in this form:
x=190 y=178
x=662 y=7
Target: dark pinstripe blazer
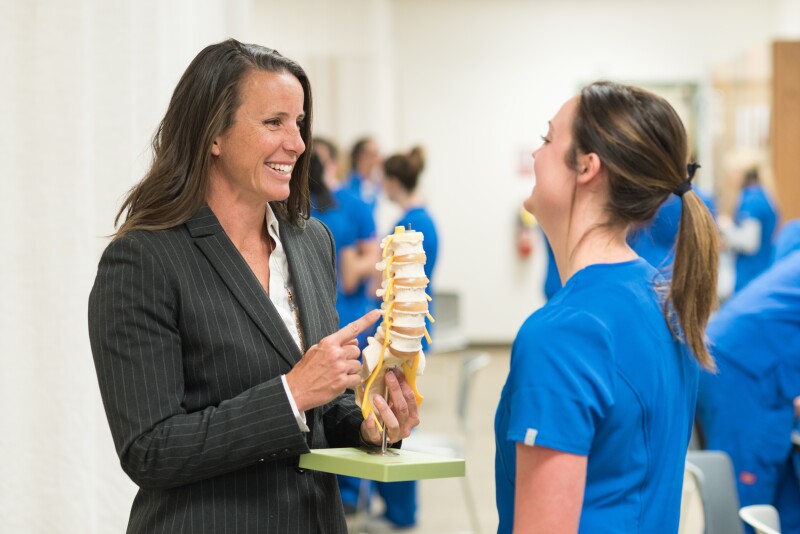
x=189 y=350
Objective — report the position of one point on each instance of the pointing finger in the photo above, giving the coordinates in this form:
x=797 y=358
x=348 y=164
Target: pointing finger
x=351 y=331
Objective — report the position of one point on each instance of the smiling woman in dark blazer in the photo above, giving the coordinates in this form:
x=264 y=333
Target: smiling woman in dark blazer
x=213 y=321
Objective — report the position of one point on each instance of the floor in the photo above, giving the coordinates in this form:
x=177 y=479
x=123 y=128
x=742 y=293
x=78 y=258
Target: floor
x=442 y=503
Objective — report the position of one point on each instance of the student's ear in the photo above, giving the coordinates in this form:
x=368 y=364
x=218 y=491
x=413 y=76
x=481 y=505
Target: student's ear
x=215 y=149
x=589 y=167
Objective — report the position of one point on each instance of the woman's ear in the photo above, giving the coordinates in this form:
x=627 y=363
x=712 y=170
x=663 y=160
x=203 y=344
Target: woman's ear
x=589 y=167
x=215 y=149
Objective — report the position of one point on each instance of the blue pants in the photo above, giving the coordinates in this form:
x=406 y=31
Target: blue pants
x=400 y=498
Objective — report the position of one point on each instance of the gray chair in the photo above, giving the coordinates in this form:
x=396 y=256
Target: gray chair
x=714 y=473
x=763 y=518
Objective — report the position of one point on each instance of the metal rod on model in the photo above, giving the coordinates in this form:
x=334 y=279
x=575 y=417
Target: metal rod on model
x=384 y=438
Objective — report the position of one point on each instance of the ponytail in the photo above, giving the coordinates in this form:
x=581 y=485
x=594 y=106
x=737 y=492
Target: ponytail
x=416 y=157
x=693 y=290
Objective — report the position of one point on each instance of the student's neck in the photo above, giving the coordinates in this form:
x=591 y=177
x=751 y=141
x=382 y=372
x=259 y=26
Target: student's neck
x=408 y=201
x=599 y=246
x=587 y=241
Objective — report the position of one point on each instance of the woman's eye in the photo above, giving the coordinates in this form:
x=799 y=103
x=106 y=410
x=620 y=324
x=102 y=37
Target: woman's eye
x=272 y=122
x=545 y=140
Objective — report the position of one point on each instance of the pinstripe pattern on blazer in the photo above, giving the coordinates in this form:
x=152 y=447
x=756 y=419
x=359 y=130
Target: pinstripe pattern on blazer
x=189 y=350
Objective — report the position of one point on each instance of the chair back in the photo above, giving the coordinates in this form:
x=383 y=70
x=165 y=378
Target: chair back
x=473 y=362
x=762 y=517
x=714 y=473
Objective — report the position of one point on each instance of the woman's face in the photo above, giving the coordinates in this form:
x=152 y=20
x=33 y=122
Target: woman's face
x=254 y=158
x=552 y=193
x=369 y=161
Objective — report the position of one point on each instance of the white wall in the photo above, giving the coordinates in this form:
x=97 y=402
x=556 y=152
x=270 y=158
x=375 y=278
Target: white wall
x=477 y=82
x=84 y=83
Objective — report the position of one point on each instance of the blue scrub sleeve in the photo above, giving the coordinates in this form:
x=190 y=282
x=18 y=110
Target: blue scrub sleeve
x=563 y=381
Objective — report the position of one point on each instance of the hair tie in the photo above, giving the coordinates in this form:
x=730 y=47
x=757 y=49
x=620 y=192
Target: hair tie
x=687 y=185
x=692 y=168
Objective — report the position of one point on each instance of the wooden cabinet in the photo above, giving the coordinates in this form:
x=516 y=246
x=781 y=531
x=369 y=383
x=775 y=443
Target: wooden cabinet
x=786 y=126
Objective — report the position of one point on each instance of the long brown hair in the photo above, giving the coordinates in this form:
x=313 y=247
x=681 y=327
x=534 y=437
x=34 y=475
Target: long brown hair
x=642 y=143
x=202 y=107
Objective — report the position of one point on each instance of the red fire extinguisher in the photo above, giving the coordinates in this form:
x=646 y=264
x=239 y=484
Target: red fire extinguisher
x=526 y=223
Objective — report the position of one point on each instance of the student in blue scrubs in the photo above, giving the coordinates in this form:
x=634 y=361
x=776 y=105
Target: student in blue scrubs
x=364 y=180
x=751 y=232
x=353 y=227
x=595 y=416
x=655 y=242
x=747 y=408
x=401 y=177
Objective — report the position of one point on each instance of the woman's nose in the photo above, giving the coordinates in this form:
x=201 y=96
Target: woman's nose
x=294 y=141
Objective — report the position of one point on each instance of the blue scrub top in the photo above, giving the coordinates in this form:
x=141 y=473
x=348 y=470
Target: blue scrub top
x=755 y=204
x=368 y=194
x=552 y=280
x=759 y=328
x=339 y=222
x=787 y=240
x=656 y=241
x=350 y=222
x=596 y=372
x=420 y=220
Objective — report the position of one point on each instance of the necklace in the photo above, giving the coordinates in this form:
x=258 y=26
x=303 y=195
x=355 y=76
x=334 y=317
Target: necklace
x=296 y=312
x=292 y=303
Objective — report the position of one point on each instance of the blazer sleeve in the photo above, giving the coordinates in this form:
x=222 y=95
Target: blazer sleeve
x=137 y=347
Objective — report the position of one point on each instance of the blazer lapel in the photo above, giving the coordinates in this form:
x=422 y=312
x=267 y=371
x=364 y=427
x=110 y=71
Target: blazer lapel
x=220 y=251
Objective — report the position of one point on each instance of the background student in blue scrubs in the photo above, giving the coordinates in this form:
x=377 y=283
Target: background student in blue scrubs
x=595 y=416
x=356 y=241
x=749 y=235
x=401 y=178
x=655 y=242
x=747 y=408
x=364 y=179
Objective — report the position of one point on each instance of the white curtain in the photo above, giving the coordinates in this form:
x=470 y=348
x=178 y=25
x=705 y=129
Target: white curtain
x=84 y=84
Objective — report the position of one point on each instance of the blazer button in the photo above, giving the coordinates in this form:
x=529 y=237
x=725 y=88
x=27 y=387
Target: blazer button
x=300 y=470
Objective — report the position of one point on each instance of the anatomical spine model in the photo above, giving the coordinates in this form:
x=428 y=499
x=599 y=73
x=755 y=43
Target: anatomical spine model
x=398 y=339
